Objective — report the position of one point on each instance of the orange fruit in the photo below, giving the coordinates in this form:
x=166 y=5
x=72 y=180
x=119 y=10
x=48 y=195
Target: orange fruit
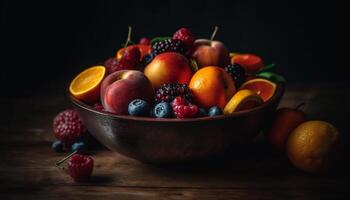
x=86 y=86
x=144 y=50
x=242 y=100
x=250 y=62
x=212 y=86
x=314 y=146
x=264 y=88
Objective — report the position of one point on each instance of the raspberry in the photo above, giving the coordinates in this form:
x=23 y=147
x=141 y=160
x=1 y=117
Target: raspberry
x=185 y=35
x=183 y=109
x=111 y=64
x=99 y=107
x=68 y=127
x=168 y=45
x=80 y=167
x=145 y=41
x=169 y=91
x=237 y=72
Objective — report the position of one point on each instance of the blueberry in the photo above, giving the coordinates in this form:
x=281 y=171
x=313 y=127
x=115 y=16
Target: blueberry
x=138 y=107
x=214 y=111
x=202 y=112
x=78 y=146
x=57 y=146
x=163 y=110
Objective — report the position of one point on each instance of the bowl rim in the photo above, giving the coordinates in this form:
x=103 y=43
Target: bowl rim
x=277 y=95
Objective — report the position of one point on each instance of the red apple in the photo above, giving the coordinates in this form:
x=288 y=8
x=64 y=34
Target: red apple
x=210 y=53
x=168 y=67
x=120 y=88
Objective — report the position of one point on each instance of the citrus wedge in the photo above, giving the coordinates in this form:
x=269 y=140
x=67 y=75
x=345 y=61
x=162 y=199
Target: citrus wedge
x=242 y=100
x=86 y=86
x=264 y=88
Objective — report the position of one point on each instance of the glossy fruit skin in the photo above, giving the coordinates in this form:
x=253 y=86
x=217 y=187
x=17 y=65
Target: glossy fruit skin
x=210 y=53
x=129 y=61
x=284 y=122
x=169 y=67
x=163 y=110
x=250 y=62
x=57 y=146
x=215 y=111
x=209 y=79
x=144 y=50
x=183 y=109
x=138 y=107
x=78 y=146
x=80 y=167
x=68 y=127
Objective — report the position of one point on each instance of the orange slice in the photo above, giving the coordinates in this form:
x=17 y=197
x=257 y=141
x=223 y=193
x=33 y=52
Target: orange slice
x=243 y=100
x=264 y=88
x=86 y=86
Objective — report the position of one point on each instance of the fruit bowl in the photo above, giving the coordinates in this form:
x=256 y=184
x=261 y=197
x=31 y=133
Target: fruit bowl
x=169 y=141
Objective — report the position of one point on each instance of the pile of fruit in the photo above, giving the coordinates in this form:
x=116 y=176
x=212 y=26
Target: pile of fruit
x=184 y=77
x=176 y=77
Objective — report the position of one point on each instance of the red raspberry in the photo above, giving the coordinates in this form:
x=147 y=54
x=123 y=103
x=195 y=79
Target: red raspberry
x=145 y=41
x=110 y=64
x=99 y=107
x=80 y=167
x=185 y=35
x=183 y=109
x=68 y=127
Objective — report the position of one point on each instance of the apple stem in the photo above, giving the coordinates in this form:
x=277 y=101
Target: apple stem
x=64 y=159
x=129 y=37
x=214 y=32
x=299 y=106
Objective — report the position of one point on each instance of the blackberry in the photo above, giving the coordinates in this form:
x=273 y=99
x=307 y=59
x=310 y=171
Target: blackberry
x=168 y=45
x=147 y=59
x=169 y=91
x=237 y=72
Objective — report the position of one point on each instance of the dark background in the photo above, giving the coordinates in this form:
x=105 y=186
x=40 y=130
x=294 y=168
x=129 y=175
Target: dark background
x=48 y=42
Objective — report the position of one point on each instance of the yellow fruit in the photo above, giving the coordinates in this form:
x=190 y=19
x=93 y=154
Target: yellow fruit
x=86 y=86
x=314 y=146
x=242 y=100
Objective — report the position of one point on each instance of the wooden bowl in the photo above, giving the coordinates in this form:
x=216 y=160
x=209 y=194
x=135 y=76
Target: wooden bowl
x=169 y=141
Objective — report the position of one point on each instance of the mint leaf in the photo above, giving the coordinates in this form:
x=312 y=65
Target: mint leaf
x=272 y=76
x=266 y=68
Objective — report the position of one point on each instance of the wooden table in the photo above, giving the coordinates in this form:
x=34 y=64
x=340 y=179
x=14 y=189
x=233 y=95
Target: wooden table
x=27 y=169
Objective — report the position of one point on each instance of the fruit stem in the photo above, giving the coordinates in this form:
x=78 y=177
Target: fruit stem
x=129 y=37
x=299 y=106
x=214 y=33
x=65 y=158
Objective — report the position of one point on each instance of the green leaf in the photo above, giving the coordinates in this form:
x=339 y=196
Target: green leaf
x=194 y=65
x=266 y=68
x=272 y=76
x=157 y=39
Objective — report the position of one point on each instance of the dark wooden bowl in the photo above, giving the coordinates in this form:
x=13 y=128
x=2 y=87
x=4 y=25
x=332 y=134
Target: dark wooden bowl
x=168 y=141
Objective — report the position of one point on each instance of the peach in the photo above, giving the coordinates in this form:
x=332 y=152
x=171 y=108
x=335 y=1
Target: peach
x=168 y=67
x=120 y=88
x=210 y=53
x=212 y=86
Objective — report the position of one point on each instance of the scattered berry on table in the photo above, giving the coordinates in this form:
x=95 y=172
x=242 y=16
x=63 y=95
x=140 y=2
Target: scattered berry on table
x=57 y=146
x=169 y=91
x=80 y=167
x=215 y=111
x=183 y=109
x=163 y=110
x=202 y=112
x=237 y=72
x=185 y=35
x=68 y=127
x=78 y=146
x=168 y=45
x=138 y=107
x=145 y=41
